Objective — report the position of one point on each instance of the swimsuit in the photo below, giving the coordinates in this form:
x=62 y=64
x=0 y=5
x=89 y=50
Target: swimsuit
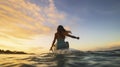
x=61 y=44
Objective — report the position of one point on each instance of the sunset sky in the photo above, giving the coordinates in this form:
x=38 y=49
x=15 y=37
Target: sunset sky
x=29 y=25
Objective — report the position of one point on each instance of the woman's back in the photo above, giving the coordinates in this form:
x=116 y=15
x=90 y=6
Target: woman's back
x=60 y=36
x=61 y=44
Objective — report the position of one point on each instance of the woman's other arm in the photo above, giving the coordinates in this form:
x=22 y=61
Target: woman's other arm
x=53 y=41
x=72 y=36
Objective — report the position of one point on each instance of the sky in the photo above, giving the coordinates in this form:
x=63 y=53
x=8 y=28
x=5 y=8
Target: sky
x=29 y=25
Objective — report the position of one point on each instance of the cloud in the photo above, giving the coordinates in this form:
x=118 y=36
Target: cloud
x=114 y=45
x=23 y=19
x=4 y=46
x=24 y=23
x=109 y=46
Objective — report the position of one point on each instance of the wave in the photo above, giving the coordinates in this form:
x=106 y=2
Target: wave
x=71 y=58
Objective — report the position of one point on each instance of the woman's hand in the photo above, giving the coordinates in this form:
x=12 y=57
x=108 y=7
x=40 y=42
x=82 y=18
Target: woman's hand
x=52 y=47
x=77 y=38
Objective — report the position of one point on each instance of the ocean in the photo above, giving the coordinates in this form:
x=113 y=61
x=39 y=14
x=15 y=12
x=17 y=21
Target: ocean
x=109 y=58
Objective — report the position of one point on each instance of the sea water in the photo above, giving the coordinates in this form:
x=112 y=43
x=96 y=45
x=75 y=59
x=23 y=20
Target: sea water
x=63 y=59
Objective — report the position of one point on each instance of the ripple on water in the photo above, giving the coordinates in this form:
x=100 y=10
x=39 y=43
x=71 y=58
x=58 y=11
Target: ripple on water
x=60 y=60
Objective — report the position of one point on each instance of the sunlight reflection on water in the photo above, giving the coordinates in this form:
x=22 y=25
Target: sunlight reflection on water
x=78 y=59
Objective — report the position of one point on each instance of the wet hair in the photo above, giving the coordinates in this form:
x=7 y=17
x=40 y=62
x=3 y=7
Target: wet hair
x=60 y=29
x=62 y=32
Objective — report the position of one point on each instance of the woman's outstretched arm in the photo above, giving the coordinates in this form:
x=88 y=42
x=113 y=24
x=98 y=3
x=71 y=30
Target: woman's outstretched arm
x=72 y=36
x=53 y=42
